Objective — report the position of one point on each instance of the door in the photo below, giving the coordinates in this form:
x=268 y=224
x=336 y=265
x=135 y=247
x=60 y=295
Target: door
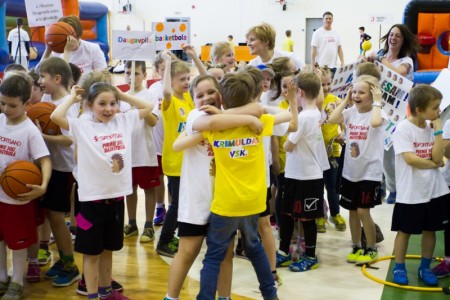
x=311 y=25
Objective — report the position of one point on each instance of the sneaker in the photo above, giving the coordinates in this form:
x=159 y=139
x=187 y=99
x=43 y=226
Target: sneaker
x=240 y=253
x=391 y=198
x=367 y=257
x=160 y=216
x=277 y=279
x=175 y=241
x=14 y=292
x=305 y=263
x=356 y=252
x=115 y=296
x=148 y=235
x=55 y=270
x=339 y=222
x=283 y=260
x=428 y=277
x=400 y=277
x=320 y=222
x=67 y=277
x=130 y=230
x=4 y=286
x=442 y=270
x=33 y=273
x=168 y=250
x=116 y=286
x=44 y=257
x=82 y=289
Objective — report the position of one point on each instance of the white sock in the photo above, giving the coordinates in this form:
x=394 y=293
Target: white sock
x=170 y=298
x=19 y=258
x=3 y=267
x=159 y=205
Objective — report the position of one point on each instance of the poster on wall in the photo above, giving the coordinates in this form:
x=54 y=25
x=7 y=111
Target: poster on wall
x=124 y=7
x=43 y=12
x=133 y=45
x=171 y=35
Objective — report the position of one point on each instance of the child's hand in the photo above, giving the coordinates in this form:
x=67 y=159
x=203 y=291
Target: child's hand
x=76 y=93
x=166 y=56
x=210 y=109
x=440 y=164
x=376 y=94
x=318 y=72
x=36 y=192
x=71 y=43
x=256 y=126
x=291 y=91
x=436 y=124
x=349 y=98
x=190 y=50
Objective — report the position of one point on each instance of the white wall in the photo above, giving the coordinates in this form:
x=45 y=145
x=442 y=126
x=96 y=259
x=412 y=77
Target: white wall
x=214 y=20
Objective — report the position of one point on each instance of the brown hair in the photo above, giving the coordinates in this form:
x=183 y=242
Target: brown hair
x=75 y=22
x=56 y=66
x=17 y=84
x=368 y=68
x=237 y=89
x=309 y=83
x=257 y=77
x=420 y=97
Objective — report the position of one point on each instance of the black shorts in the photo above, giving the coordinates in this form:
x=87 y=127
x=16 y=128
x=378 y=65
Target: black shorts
x=76 y=199
x=57 y=197
x=100 y=226
x=268 y=197
x=303 y=199
x=361 y=194
x=188 y=229
x=415 y=218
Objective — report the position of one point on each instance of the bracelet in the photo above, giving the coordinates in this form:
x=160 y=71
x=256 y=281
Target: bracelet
x=438 y=132
x=377 y=104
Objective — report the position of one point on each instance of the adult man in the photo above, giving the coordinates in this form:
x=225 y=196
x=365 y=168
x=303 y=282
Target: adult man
x=326 y=45
x=18 y=44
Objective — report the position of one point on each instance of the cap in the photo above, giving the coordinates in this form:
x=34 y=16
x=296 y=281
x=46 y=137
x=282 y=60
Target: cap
x=265 y=68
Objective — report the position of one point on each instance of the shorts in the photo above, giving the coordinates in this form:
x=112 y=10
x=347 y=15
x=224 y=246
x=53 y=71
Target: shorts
x=303 y=199
x=76 y=199
x=415 y=218
x=57 y=197
x=160 y=170
x=361 y=194
x=39 y=212
x=268 y=197
x=100 y=226
x=188 y=229
x=145 y=177
x=18 y=225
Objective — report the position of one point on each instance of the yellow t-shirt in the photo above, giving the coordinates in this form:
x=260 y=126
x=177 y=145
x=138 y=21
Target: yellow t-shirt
x=288 y=44
x=282 y=139
x=330 y=131
x=174 y=118
x=240 y=185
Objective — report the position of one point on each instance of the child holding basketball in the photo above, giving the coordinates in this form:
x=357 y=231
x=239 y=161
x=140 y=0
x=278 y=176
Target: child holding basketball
x=104 y=146
x=21 y=140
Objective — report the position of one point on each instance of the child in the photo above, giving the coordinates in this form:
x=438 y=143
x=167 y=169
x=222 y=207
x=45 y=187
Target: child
x=104 y=146
x=36 y=92
x=18 y=216
x=223 y=53
x=422 y=194
x=239 y=193
x=362 y=172
x=55 y=77
x=145 y=163
x=303 y=187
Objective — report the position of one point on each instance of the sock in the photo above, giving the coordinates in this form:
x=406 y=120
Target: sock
x=223 y=298
x=105 y=291
x=286 y=229
x=148 y=224
x=400 y=266
x=32 y=260
x=68 y=261
x=357 y=246
x=18 y=258
x=310 y=231
x=170 y=298
x=374 y=248
x=425 y=263
x=159 y=205
x=132 y=222
x=61 y=254
x=93 y=297
x=43 y=245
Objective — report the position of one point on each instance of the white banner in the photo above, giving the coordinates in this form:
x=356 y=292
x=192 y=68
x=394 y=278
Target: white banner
x=442 y=83
x=342 y=79
x=133 y=45
x=43 y=12
x=171 y=35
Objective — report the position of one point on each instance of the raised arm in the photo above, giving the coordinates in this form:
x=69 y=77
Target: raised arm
x=336 y=116
x=167 y=82
x=190 y=51
x=291 y=96
x=375 y=117
x=59 y=114
x=145 y=107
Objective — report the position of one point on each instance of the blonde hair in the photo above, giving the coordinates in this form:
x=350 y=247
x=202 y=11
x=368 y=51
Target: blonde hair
x=368 y=68
x=309 y=83
x=264 y=32
x=371 y=81
x=219 y=49
x=178 y=67
x=93 y=77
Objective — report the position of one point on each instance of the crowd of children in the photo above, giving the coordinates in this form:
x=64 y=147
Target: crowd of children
x=237 y=145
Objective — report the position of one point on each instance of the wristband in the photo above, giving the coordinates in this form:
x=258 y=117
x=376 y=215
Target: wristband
x=438 y=132
x=377 y=104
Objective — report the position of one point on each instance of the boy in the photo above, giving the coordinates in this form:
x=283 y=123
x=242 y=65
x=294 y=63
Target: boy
x=240 y=190
x=21 y=140
x=55 y=76
x=422 y=192
x=144 y=171
x=303 y=190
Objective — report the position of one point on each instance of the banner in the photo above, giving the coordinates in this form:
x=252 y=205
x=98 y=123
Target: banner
x=43 y=12
x=342 y=79
x=442 y=83
x=171 y=35
x=133 y=45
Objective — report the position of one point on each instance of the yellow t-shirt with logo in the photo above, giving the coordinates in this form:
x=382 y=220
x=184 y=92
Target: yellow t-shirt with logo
x=282 y=139
x=174 y=116
x=330 y=131
x=240 y=185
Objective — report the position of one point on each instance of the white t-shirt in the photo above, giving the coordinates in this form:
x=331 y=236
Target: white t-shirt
x=327 y=43
x=405 y=61
x=276 y=53
x=104 y=155
x=266 y=98
x=13 y=37
x=19 y=142
x=196 y=184
x=446 y=136
x=144 y=152
x=87 y=57
x=416 y=185
x=308 y=159
x=62 y=156
x=156 y=96
x=364 y=151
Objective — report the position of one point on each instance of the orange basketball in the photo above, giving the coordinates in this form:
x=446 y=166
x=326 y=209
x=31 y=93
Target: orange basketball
x=17 y=175
x=56 y=36
x=41 y=111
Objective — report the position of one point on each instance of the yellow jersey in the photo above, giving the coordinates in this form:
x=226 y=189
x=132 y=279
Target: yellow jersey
x=282 y=139
x=330 y=131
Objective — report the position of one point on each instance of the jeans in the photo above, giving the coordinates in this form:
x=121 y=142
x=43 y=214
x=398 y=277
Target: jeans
x=170 y=221
x=329 y=178
x=220 y=233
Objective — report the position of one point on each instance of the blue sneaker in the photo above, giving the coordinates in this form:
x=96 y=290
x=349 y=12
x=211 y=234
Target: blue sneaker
x=305 y=263
x=55 y=270
x=391 y=198
x=283 y=259
x=67 y=277
x=160 y=216
x=400 y=277
x=428 y=277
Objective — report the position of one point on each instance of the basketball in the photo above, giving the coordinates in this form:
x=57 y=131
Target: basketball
x=17 y=175
x=56 y=36
x=41 y=111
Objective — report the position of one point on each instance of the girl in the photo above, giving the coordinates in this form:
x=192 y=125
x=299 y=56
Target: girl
x=223 y=53
x=362 y=171
x=104 y=169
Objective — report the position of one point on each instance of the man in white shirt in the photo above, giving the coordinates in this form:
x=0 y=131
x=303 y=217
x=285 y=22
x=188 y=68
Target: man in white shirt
x=18 y=43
